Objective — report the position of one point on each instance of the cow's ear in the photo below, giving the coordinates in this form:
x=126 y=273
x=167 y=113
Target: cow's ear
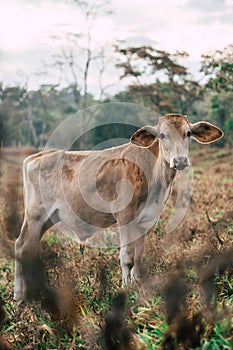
x=205 y=132
x=144 y=137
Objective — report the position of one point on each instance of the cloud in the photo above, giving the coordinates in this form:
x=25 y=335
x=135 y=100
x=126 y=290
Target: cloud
x=26 y=26
x=210 y=11
x=179 y=25
x=26 y=65
x=225 y=18
x=139 y=41
x=207 y=5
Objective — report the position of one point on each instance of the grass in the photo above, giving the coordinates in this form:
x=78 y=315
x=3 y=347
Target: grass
x=188 y=269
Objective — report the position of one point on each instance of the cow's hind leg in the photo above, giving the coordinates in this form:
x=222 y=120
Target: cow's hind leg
x=19 y=284
x=27 y=265
x=26 y=252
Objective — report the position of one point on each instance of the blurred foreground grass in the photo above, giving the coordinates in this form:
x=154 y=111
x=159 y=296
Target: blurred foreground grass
x=184 y=301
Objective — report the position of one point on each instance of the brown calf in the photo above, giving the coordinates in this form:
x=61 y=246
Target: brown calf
x=88 y=191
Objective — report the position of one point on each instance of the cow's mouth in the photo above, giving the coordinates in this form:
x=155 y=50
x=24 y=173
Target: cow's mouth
x=180 y=166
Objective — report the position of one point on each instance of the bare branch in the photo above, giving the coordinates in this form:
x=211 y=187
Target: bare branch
x=213 y=225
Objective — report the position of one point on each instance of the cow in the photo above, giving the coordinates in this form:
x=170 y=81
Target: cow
x=127 y=185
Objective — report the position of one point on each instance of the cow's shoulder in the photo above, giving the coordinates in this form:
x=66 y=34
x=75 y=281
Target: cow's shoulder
x=42 y=162
x=43 y=155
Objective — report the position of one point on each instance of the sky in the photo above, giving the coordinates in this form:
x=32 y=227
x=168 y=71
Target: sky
x=33 y=31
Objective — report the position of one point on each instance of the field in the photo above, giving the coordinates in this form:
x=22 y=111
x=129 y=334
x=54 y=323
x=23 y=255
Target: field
x=185 y=298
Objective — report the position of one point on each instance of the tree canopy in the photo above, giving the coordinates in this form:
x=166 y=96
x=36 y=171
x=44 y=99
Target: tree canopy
x=171 y=87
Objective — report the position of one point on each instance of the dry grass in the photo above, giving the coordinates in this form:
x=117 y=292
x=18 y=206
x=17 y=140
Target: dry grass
x=188 y=268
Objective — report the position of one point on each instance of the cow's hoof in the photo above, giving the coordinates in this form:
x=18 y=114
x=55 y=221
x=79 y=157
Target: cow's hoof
x=18 y=296
x=135 y=275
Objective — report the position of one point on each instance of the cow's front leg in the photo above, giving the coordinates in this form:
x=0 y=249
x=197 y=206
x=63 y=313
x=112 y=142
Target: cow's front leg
x=132 y=241
x=127 y=261
x=138 y=251
x=19 y=288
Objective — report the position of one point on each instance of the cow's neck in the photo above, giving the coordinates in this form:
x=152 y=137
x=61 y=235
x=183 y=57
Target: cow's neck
x=163 y=172
x=167 y=173
x=159 y=190
x=162 y=180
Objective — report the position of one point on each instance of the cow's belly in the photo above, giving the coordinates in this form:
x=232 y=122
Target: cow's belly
x=149 y=216
x=150 y=213
x=85 y=221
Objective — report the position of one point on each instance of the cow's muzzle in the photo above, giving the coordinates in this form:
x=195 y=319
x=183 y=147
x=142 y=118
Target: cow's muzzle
x=180 y=163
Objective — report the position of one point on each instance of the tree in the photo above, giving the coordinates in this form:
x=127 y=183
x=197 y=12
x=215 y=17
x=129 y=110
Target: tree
x=157 y=76
x=40 y=111
x=28 y=117
x=218 y=68
x=78 y=54
x=12 y=103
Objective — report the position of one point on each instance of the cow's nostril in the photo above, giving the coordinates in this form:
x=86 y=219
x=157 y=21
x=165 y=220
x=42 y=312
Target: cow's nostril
x=181 y=160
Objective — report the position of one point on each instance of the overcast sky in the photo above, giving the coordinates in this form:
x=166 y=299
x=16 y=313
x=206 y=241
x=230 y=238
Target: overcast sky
x=26 y=27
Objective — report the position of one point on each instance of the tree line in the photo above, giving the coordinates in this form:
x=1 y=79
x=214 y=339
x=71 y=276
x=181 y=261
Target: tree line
x=156 y=79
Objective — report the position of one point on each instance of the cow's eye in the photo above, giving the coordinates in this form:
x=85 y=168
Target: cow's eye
x=162 y=136
x=189 y=133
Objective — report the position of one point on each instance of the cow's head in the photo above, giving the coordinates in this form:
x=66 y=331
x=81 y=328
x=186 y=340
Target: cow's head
x=174 y=132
